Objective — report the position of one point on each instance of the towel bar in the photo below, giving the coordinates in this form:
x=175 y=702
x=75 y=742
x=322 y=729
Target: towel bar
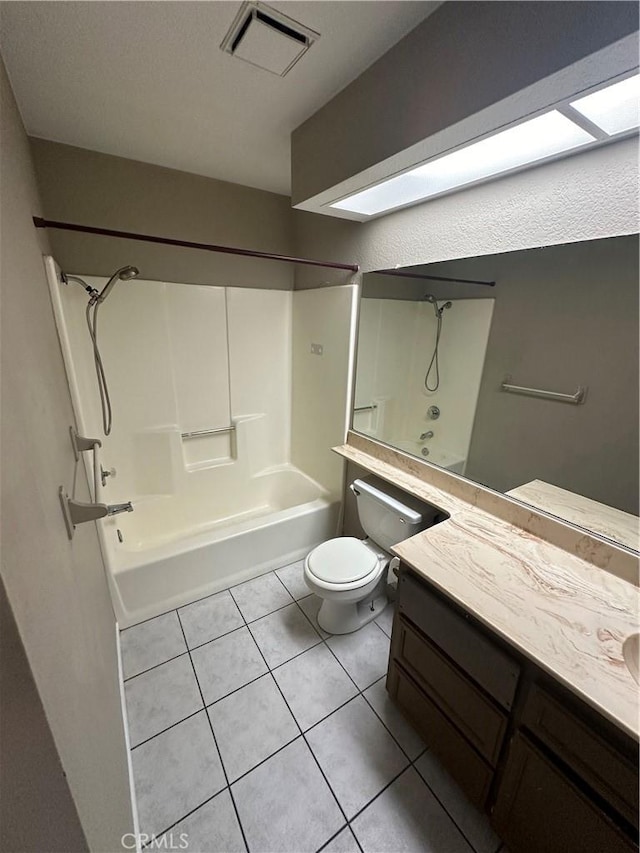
x=575 y=398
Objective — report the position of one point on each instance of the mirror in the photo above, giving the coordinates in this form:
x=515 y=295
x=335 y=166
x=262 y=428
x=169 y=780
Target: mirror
x=518 y=371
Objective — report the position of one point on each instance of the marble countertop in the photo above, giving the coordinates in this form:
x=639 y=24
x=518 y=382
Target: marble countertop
x=565 y=614
x=607 y=520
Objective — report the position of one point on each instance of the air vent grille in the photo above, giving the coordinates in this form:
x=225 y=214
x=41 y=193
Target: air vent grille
x=267 y=39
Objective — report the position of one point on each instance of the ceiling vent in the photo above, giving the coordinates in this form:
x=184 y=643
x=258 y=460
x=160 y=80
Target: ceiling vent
x=267 y=38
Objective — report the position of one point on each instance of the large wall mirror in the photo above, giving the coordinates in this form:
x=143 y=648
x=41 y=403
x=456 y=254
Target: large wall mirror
x=518 y=371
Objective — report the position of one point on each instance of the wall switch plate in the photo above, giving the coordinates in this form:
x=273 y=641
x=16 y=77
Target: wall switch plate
x=316 y=349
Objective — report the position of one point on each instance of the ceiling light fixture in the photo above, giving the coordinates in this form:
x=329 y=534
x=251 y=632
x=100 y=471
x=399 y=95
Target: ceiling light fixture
x=530 y=142
x=614 y=109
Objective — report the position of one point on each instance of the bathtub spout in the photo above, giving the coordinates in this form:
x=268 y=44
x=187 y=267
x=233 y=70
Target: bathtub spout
x=116 y=509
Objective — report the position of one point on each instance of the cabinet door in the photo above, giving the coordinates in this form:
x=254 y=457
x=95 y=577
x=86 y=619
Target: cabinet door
x=539 y=809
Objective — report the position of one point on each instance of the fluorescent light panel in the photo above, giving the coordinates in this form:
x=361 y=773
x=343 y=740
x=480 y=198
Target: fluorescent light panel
x=614 y=109
x=545 y=136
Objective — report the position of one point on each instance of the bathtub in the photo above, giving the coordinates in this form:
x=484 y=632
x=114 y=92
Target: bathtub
x=209 y=510
x=175 y=549
x=438 y=456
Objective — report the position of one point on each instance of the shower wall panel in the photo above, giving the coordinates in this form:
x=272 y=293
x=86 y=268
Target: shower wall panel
x=183 y=358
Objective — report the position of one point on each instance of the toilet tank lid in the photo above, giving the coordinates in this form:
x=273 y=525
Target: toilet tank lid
x=390 y=500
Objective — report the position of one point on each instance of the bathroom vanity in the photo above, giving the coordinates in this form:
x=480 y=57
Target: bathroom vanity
x=507 y=657
x=552 y=773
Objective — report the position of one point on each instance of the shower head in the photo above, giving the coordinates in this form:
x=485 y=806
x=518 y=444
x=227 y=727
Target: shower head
x=429 y=297
x=123 y=274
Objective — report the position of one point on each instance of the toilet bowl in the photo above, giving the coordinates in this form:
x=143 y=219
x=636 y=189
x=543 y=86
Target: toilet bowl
x=349 y=574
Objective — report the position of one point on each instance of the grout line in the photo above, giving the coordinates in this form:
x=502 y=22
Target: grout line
x=215 y=742
x=333 y=837
x=303 y=736
x=158 y=835
x=388 y=636
x=359 y=693
x=270 y=670
x=155 y=666
x=446 y=810
x=168 y=728
x=210 y=595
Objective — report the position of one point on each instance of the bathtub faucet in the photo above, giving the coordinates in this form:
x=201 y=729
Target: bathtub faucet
x=116 y=509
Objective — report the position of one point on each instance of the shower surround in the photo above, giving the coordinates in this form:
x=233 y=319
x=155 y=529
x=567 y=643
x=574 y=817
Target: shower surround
x=209 y=510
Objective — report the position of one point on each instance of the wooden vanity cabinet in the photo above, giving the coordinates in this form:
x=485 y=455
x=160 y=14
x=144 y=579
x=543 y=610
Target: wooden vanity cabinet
x=553 y=774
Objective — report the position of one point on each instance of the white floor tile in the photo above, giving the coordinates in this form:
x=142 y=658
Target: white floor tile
x=472 y=822
x=407 y=817
x=364 y=653
x=285 y=805
x=385 y=619
x=213 y=828
x=161 y=697
x=250 y=725
x=344 y=842
x=258 y=597
x=310 y=606
x=394 y=720
x=210 y=618
x=283 y=634
x=314 y=684
x=357 y=754
x=293 y=578
x=151 y=643
x=175 y=772
x=227 y=663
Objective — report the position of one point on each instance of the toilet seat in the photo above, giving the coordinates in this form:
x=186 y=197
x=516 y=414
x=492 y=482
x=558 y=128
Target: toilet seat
x=345 y=560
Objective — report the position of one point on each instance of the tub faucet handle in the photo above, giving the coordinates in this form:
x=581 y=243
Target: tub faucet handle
x=110 y=472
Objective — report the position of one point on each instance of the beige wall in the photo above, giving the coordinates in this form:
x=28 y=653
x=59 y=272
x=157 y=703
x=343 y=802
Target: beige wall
x=564 y=316
x=57 y=588
x=37 y=812
x=89 y=188
x=583 y=197
x=461 y=60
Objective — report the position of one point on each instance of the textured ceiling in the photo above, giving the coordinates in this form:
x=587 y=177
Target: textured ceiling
x=147 y=80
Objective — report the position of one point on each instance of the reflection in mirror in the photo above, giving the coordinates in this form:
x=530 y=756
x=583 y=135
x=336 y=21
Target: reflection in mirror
x=518 y=370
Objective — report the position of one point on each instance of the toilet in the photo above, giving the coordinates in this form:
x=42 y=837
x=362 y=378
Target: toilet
x=349 y=574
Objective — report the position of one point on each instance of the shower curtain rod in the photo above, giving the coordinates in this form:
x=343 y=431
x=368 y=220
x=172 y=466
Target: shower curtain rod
x=403 y=274
x=39 y=222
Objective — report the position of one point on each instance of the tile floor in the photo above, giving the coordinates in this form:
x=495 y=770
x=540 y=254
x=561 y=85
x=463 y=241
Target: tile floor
x=252 y=730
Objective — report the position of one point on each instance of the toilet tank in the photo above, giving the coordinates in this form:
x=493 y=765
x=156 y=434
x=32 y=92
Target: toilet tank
x=388 y=515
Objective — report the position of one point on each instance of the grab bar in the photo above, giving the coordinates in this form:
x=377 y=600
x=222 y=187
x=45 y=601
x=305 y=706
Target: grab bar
x=202 y=432
x=366 y=408
x=574 y=399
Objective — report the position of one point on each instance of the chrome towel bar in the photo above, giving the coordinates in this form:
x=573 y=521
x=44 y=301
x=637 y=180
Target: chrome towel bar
x=575 y=399
x=199 y=433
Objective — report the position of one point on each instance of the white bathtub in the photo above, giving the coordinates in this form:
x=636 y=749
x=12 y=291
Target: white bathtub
x=178 y=548
x=439 y=456
x=209 y=511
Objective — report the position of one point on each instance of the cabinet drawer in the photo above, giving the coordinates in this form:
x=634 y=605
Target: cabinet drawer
x=477 y=718
x=601 y=766
x=472 y=774
x=468 y=647
x=539 y=809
